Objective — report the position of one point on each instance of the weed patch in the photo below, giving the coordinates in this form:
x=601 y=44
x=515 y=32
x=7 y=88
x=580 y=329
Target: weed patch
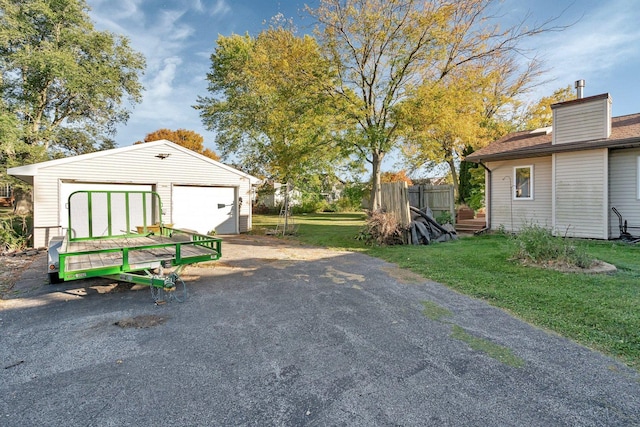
x=433 y=311
x=538 y=245
x=14 y=233
x=495 y=351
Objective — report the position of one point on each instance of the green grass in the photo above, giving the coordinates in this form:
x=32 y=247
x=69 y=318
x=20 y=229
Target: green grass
x=599 y=311
x=332 y=230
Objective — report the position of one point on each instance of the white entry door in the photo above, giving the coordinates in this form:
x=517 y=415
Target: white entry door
x=204 y=209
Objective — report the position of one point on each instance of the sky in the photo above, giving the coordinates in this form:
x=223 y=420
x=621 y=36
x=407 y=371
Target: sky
x=177 y=38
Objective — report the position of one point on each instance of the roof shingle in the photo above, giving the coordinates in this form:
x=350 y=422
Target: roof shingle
x=625 y=131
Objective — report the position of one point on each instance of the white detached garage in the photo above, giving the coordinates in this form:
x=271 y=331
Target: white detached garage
x=197 y=193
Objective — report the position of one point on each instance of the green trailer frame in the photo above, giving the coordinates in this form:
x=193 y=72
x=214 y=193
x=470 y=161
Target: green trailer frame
x=120 y=235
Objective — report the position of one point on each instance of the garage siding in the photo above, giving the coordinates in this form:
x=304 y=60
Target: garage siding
x=134 y=165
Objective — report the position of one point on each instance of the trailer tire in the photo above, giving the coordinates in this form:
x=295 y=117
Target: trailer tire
x=54 y=278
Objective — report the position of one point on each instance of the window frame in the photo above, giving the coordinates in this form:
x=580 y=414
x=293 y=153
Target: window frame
x=515 y=182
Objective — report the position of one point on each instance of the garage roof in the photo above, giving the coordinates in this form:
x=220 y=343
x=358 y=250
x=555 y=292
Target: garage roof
x=27 y=172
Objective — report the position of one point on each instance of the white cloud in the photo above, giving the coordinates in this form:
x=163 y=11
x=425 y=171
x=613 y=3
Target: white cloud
x=198 y=6
x=170 y=27
x=119 y=9
x=606 y=37
x=601 y=46
x=220 y=8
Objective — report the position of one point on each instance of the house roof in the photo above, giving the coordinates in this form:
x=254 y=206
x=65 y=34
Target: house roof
x=625 y=132
x=27 y=172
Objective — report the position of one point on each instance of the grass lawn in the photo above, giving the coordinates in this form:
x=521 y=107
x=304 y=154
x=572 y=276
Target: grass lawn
x=599 y=311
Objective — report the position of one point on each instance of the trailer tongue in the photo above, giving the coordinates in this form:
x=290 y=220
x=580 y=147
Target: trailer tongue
x=120 y=235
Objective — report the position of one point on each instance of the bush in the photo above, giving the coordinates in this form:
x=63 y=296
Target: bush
x=537 y=244
x=351 y=198
x=14 y=235
x=444 y=218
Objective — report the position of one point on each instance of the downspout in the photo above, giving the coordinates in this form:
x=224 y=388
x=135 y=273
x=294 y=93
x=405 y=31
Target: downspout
x=487 y=189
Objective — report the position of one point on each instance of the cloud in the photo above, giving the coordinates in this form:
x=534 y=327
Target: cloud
x=607 y=36
x=220 y=8
x=169 y=26
x=198 y=6
x=119 y=10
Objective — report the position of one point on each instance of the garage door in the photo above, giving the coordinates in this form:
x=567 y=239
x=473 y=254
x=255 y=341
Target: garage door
x=67 y=188
x=204 y=209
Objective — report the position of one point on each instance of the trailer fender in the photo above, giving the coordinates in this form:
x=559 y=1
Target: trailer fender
x=53 y=259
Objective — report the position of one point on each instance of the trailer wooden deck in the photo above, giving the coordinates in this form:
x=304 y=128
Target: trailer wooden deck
x=88 y=258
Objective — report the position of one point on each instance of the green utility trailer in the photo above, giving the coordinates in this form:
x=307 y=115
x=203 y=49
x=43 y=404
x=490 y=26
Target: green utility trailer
x=120 y=235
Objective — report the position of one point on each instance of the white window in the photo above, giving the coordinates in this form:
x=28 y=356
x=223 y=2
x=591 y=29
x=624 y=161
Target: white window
x=523 y=182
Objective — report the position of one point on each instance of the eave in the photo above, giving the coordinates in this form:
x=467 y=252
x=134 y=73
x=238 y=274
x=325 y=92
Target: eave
x=548 y=148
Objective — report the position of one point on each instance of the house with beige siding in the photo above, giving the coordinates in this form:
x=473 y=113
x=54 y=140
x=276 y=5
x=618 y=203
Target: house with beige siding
x=568 y=176
x=197 y=193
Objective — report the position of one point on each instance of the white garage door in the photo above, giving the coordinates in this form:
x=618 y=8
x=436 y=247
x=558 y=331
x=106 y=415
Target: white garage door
x=204 y=209
x=67 y=188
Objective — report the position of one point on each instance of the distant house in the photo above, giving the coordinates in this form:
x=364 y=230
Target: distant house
x=276 y=198
x=566 y=177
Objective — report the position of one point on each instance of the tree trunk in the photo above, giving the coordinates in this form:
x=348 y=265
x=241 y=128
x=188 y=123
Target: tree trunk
x=22 y=204
x=454 y=176
x=376 y=193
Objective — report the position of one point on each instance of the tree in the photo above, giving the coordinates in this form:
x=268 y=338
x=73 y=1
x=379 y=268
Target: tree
x=268 y=104
x=186 y=138
x=65 y=81
x=539 y=114
x=400 y=176
x=466 y=109
x=385 y=49
x=533 y=116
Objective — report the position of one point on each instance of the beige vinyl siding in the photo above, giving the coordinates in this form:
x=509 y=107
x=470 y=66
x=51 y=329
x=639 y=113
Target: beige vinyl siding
x=581 y=194
x=139 y=166
x=582 y=122
x=623 y=189
x=504 y=207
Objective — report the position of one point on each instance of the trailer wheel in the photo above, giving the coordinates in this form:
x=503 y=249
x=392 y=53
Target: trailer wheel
x=54 y=278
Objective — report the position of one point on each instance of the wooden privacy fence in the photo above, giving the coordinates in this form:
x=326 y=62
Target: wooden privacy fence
x=438 y=198
x=395 y=198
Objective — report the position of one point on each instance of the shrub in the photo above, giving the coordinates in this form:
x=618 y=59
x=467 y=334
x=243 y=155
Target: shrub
x=538 y=245
x=14 y=233
x=444 y=218
x=351 y=198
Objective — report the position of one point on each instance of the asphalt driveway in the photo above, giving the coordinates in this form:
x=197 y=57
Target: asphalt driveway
x=281 y=334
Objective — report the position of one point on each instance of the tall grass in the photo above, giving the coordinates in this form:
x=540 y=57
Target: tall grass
x=14 y=232
x=537 y=244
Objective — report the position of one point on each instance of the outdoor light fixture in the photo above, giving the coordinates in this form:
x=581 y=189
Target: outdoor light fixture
x=163 y=156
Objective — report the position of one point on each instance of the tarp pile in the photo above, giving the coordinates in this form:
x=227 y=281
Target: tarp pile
x=425 y=229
